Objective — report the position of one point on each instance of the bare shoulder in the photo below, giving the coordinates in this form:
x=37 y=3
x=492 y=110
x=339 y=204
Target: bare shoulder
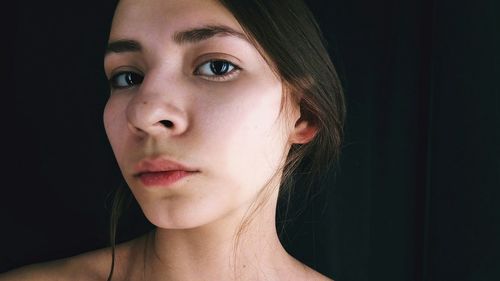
x=52 y=270
x=316 y=276
x=313 y=275
x=89 y=266
x=299 y=271
x=84 y=267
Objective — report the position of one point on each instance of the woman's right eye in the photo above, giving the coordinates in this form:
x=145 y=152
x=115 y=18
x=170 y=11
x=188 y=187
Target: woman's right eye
x=125 y=79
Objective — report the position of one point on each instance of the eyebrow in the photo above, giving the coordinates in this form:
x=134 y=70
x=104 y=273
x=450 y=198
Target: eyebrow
x=190 y=36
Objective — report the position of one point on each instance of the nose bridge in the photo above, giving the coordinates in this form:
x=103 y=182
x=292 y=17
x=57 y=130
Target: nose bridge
x=158 y=106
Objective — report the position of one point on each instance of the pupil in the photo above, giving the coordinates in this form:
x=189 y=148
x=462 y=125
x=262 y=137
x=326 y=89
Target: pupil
x=218 y=66
x=133 y=79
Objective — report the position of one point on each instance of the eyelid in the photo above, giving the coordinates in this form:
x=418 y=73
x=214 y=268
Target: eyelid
x=124 y=69
x=217 y=56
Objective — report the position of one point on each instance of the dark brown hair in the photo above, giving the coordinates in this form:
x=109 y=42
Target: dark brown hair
x=289 y=38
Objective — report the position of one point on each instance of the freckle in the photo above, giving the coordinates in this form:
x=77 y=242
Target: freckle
x=145 y=102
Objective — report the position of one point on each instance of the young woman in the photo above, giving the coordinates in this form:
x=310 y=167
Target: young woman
x=213 y=107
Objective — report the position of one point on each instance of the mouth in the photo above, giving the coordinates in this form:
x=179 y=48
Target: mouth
x=163 y=178
x=161 y=166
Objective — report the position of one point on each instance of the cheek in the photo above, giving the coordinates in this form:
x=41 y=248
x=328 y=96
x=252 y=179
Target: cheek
x=240 y=130
x=113 y=119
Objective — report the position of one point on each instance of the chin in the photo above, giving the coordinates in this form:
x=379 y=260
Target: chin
x=194 y=205
x=178 y=214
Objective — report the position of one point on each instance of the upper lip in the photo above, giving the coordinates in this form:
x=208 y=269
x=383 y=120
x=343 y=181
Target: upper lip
x=160 y=164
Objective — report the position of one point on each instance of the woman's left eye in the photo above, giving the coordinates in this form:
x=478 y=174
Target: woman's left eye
x=125 y=79
x=219 y=70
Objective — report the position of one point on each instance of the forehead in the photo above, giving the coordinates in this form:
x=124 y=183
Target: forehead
x=157 y=19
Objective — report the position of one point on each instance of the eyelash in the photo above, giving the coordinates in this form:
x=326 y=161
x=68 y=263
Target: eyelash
x=224 y=77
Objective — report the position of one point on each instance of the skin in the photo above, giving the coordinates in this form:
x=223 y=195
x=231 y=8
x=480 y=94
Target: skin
x=230 y=130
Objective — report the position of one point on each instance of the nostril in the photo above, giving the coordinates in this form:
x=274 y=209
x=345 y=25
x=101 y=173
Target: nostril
x=167 y=123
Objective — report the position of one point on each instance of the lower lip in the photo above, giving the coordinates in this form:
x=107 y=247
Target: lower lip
x=163 y=179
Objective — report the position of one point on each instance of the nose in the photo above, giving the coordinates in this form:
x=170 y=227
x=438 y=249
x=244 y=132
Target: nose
x=157 y=108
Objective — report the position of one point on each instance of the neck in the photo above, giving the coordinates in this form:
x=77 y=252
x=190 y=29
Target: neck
x=223 y=250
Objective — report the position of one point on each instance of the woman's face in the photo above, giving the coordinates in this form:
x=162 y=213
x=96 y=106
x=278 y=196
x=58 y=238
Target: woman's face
x=224 y=114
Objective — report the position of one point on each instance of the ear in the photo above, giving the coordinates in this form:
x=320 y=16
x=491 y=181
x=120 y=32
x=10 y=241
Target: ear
x=303 y=132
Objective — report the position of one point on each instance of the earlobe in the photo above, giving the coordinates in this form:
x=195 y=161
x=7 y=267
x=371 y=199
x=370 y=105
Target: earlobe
x=303 y=132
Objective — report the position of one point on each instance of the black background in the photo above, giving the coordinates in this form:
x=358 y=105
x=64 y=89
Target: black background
x=417 y=192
